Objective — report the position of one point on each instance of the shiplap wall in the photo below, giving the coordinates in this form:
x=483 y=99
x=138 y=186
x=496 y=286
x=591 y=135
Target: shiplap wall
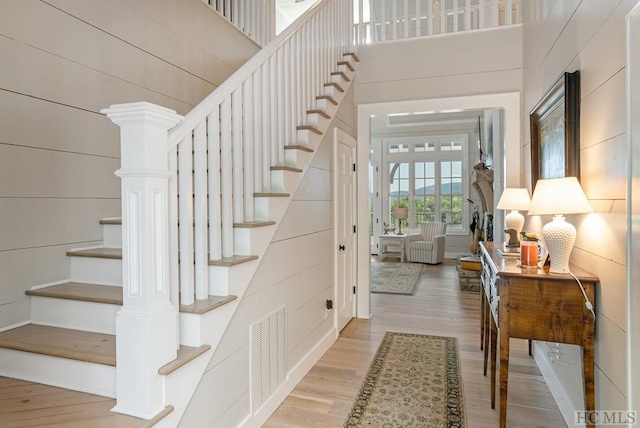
x=465 y=63
x=569 y=35
x=63 y=61
x=297 y=271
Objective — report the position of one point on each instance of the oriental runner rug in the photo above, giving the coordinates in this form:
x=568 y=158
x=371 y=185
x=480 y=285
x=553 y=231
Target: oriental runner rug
x=414 y=381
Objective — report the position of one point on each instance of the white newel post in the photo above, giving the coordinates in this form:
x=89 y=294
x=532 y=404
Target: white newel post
x=146 y=326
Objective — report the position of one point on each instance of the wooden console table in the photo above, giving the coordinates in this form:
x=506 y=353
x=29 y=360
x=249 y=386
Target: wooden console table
x=534 y=304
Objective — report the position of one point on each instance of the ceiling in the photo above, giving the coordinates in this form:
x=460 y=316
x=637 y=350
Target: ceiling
x=418 y=121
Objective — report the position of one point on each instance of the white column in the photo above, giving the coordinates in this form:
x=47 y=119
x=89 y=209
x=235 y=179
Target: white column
x=146 y=328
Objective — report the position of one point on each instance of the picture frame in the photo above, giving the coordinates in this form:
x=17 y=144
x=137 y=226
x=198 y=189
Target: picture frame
x=555 y=131
x=545 y=260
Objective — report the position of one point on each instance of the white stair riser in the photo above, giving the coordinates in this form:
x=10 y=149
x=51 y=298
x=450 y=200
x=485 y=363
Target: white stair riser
x=327 y=107
x=269 y=208
x=196 y=330
x=81 y=376
x=317 y=120
x=346 y=70
x=309 y=138
x=333 y=92
x=336 y=78
x=74 y=314
x=93 y=270
x=224 y=280
x=253 y=240
x=112 y=235
x=297 y=158
x=283 y=181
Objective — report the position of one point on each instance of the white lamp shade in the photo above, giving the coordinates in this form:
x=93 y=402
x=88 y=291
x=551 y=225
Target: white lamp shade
x=514 y=199
x=559 y=196
x=400 y=213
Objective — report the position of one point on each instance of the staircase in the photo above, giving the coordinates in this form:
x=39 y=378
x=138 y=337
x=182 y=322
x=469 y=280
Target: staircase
x=240 y=155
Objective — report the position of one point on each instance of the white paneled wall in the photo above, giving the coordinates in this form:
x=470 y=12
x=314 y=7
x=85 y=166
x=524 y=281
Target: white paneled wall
x=459 y=64
x=63 y=61
x=589 y=36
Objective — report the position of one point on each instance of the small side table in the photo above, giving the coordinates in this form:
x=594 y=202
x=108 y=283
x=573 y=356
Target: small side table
x=392 y=245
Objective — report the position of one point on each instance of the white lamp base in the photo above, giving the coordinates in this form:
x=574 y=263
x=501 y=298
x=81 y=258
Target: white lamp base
x=514 y=220
x=559 y=237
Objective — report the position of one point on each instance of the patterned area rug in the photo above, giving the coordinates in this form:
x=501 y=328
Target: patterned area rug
x=395 y=278
x=413 y=381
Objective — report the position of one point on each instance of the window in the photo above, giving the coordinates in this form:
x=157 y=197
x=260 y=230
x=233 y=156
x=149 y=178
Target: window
x=426 y=176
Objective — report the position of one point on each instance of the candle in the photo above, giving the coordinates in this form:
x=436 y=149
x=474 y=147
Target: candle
x=529 y=254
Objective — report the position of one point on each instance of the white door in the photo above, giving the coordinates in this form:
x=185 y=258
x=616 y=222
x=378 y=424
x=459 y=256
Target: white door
x=345 y=227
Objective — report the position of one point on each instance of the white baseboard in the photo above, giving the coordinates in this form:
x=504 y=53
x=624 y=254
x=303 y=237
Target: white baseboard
x=557 y=391
x=295 y=376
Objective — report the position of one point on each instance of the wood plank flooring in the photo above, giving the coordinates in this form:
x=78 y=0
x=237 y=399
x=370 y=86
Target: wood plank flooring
x=324 y=397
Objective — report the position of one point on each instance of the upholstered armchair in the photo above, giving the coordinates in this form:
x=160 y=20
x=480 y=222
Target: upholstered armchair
x=428 y=245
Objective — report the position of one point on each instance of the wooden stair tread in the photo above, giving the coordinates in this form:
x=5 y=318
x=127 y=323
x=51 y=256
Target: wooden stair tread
x=335 y=85
x=252 y=224
x=79 y=291
x=319 y=112
x=347 y=64
x=309 y=128
x=116 y=221
x=341 y=74
x=328 y=98
x=210 y=303
x=352 y=55
x=157 y=418
x=298 y=147
x=103 y=253
x=271 y=195
x=185 y=355
x=232 y=261
x=62 y=342
x=285 y=168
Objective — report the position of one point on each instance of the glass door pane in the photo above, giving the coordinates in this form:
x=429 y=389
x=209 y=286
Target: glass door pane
x=451 y=193
x=424 y=192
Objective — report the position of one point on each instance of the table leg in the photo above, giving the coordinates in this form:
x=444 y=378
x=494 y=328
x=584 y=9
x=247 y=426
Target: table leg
x=487 y=320
x=504 y=372
x=482 y=315
x=494 y=355
x=588 y=376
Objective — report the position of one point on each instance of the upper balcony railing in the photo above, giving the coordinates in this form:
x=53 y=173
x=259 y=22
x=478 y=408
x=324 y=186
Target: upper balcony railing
x=255 y=18
x=380 y=20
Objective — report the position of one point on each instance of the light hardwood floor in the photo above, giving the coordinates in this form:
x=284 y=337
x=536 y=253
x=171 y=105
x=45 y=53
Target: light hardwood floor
x=324 y=396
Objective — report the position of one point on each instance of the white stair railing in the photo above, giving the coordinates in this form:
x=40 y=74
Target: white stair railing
x=255 y=18
x=184 y=187
x=380 y=20
x=224 y=149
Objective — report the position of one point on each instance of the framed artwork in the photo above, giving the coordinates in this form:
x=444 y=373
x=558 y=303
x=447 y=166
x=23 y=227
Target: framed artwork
x=555 y=131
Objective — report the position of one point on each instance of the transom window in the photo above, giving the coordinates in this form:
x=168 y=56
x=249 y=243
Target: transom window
x=426 y=176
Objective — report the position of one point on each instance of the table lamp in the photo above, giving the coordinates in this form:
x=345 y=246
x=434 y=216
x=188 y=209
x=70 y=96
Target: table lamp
x=514 y=199
x=559 y=196
x=400 y=214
